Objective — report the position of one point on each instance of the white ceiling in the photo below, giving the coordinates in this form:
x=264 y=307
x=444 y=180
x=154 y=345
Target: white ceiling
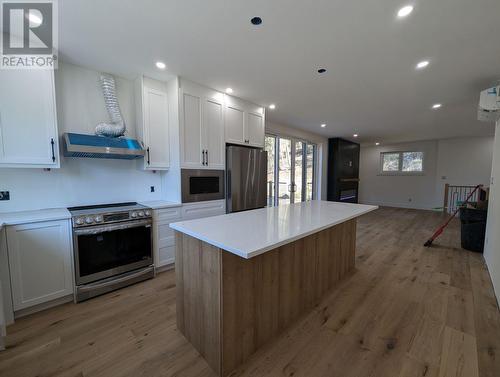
x=371 y=86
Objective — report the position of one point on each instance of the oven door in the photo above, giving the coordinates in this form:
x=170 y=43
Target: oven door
x=108 y=250
x=200 y=185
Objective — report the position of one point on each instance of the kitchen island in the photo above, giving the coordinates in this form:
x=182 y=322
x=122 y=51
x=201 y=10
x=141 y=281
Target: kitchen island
x=243 y=278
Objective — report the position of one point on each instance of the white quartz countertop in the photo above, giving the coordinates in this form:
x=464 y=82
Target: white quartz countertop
x=250 y=233
x=24 y=217
x=158 y=204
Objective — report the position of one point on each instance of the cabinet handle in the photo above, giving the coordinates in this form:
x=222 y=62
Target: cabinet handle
x=206 y=153
x=203 y=157
x=52 y=147
x=148 y=156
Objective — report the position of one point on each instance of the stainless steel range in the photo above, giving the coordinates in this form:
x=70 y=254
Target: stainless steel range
x=112 y=246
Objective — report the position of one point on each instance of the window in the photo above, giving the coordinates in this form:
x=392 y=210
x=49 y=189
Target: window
x=270 y=147
x=401 y=162
x=291 y=168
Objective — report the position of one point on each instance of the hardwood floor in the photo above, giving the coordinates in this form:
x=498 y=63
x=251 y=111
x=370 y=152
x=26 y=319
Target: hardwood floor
x=406 y=311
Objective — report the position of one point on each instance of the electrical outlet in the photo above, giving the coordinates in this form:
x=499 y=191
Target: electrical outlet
x=409 y=199
x=152 y=189
x=4 y=195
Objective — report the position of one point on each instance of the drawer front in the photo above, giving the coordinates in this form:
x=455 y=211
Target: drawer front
x=166 y=255
x=200 y=210
x=168 y=214
x=164 y=230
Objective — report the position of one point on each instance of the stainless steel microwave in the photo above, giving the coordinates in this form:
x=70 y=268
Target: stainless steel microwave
x=199 y=185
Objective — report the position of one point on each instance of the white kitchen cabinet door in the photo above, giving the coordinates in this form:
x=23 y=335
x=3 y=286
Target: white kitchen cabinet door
x=234 y=121
x=153 y=122
x=28 y=121
x=192 y=148
x=164 y=236
x=255 y=129
x=40 y=261
x=214 y=133
x=202 y=127
x=244 y=123
x=156 y=138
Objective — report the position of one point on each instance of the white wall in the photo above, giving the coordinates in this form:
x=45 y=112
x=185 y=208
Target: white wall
x=492 y=246
x=463 y=161
x=81 y=181
x=322 y=143
x=415 y=191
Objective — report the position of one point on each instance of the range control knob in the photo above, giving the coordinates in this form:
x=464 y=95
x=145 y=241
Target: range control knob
x=98 y=218
x=89 y=220
x=148 y=212
x=133 y=215
x=141 y=213
x=79 y=221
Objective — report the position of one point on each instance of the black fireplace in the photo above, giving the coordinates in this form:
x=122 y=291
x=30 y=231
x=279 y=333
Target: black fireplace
x=343 y=170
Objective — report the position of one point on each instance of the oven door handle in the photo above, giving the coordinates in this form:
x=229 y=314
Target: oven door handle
x=110 y=228
x=91 y=287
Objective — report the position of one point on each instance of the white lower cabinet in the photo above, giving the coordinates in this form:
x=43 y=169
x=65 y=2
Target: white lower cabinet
x=40 y=261
x=198 y=210
x=163 y=236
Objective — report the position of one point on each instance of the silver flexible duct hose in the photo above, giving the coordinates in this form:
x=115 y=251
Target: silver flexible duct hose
x=116 y=127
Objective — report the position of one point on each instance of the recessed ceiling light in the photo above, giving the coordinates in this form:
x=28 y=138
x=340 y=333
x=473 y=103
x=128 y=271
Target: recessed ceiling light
x=405 y=11
x=256 y=21
x=323 y=125
x=272 y=106
x=422 y=64
x=161 y=65
x=377 y=143
x=229 y=90
x=321 y=70
x=355 y=135
x=436 y=106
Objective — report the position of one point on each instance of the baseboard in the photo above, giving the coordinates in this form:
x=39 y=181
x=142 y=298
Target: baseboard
x=165 y=268
x=46 y=305
x=495 y=293
x=398 y=205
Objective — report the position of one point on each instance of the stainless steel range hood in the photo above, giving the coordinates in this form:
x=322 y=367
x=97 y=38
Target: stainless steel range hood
x=92 y=146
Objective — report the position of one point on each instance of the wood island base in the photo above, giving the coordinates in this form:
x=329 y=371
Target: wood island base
x=228 y=306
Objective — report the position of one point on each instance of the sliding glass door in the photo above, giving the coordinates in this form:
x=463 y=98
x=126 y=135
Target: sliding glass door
x=291 y=170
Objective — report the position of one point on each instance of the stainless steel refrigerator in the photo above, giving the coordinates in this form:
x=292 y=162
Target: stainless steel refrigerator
x=246 y=171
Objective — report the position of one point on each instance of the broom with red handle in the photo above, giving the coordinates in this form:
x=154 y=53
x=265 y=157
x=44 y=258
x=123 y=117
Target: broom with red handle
x=440 y=230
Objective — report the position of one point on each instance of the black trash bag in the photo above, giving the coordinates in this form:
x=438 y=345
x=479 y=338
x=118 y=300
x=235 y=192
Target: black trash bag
x=473 y=228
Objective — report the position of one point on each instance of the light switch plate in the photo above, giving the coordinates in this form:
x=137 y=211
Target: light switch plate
x=4 y=195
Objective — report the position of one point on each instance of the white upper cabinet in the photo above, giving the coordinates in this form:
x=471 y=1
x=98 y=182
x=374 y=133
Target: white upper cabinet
x=214 y=129
x=201 y=127
x=244 y=122
x=153 y=122
x=235 y=120
x=28 y=120
x=255 y=127
x=192 y=150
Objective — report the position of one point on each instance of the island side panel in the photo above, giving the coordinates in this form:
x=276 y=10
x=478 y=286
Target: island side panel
x=198 y=280
x=264 y=295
